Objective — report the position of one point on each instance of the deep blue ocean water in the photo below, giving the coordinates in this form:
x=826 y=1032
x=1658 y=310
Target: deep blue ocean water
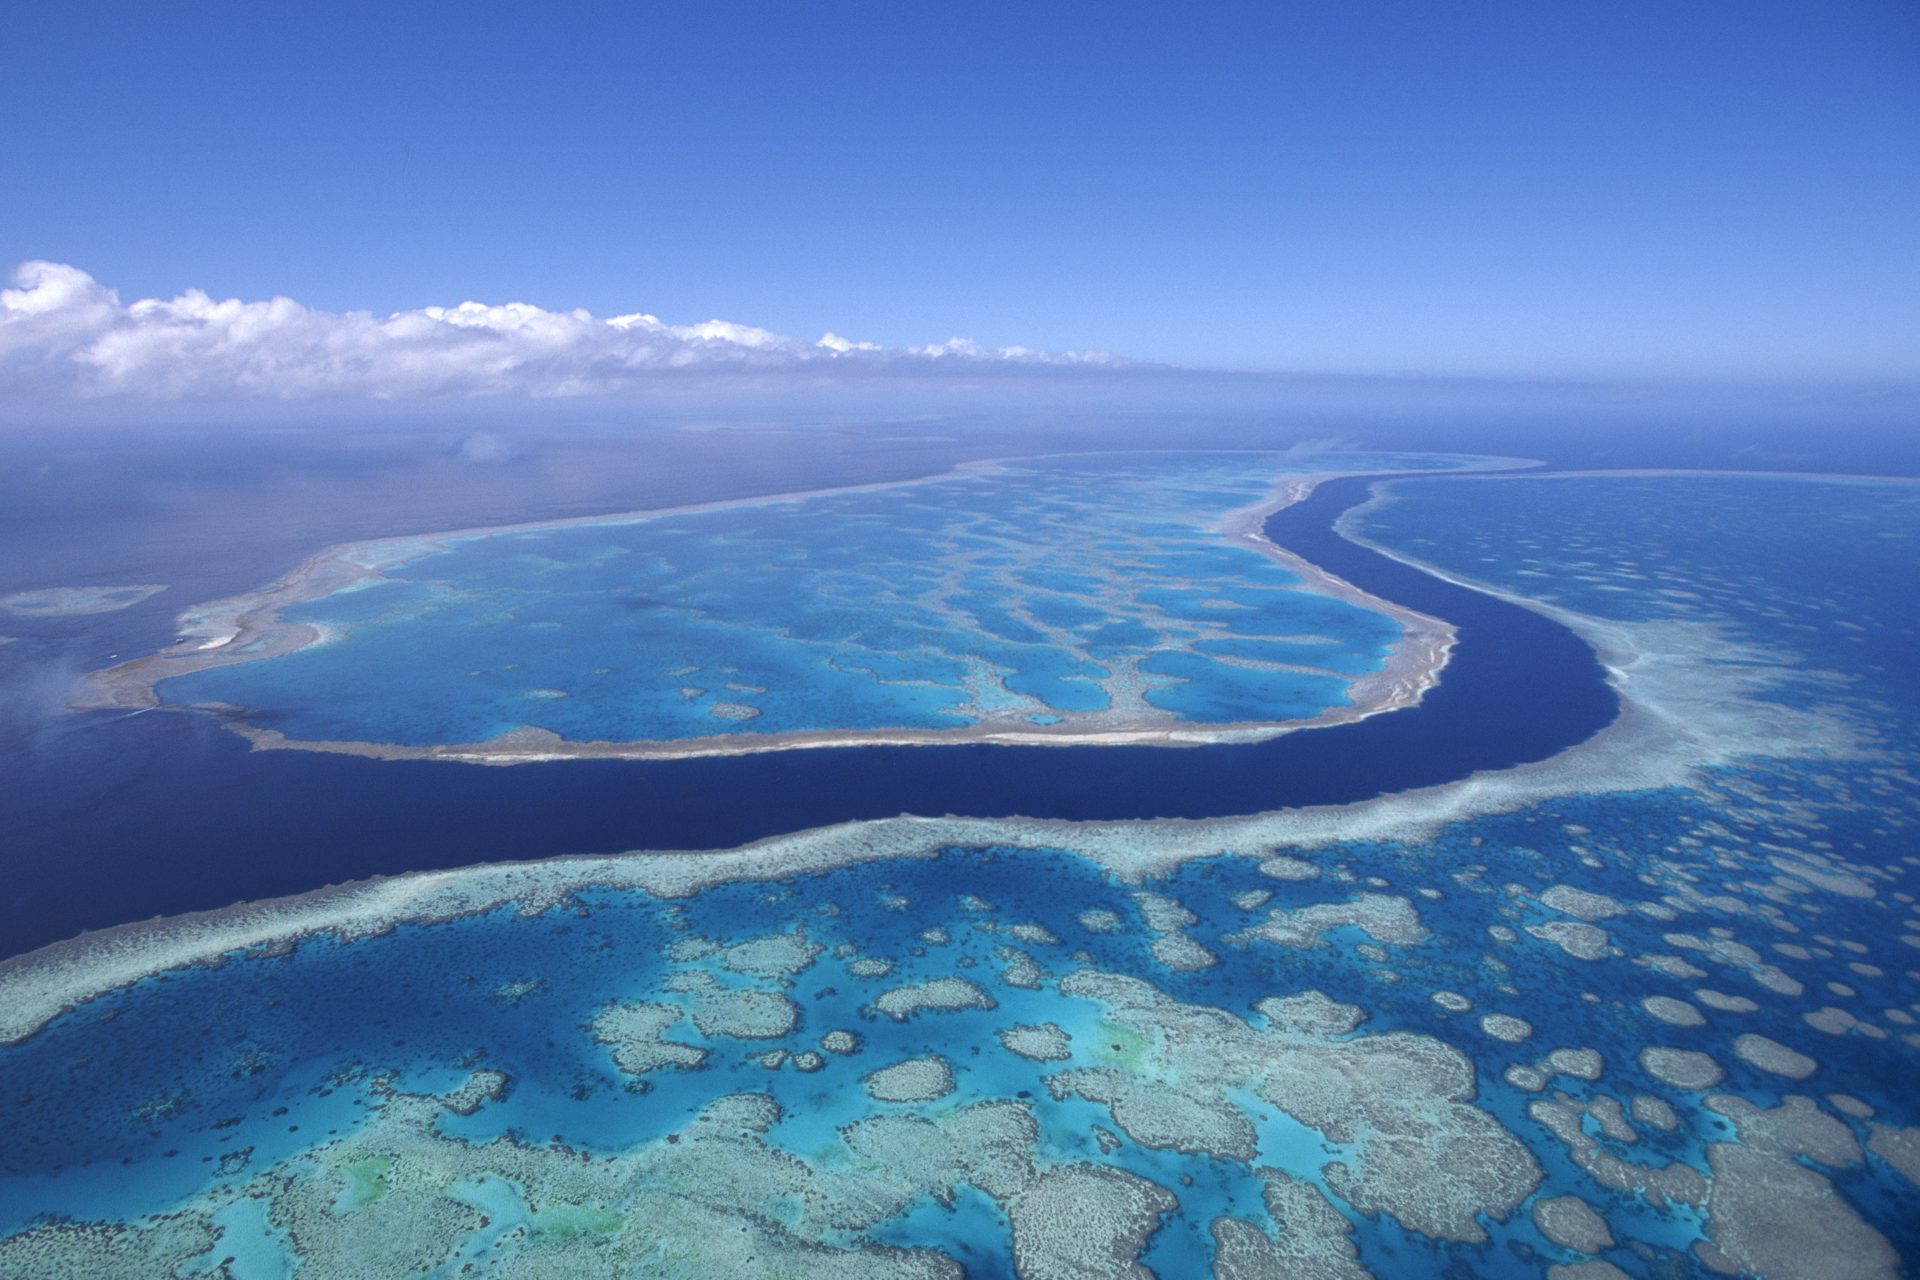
x=191 y=803
x=1836 y=554
x=104 y=819
x=1809 y=587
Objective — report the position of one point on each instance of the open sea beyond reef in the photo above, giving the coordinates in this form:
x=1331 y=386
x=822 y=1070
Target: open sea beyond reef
x=1603 y=953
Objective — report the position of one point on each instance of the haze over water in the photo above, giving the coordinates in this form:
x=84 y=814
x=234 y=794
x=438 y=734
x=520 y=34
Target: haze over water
x=1071 y=642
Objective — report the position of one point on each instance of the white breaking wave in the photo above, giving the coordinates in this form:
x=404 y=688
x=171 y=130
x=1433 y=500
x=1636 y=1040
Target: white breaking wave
x=64 y=334
x=1690 y=702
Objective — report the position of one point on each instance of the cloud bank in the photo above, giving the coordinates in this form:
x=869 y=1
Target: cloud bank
x=64 y=335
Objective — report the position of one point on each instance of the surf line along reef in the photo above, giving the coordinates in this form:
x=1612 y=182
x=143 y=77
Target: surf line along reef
x=1118 y=599
x=1626 y=1011
x=1518 y=687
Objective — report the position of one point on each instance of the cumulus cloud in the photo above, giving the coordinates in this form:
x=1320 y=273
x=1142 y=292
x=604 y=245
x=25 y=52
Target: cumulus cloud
x=64 y=334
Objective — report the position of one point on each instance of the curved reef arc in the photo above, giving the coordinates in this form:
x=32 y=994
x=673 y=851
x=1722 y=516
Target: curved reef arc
x=1520 y=688
x=254 y=627
x=1686 y=703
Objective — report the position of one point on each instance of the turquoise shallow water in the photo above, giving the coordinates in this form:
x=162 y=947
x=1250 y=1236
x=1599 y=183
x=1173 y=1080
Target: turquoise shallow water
x=298 y=1116
x=1095 y=591
x=1814 y=571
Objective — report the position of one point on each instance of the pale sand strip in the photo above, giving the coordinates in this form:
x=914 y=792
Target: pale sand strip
x=249 y=628
x=1681 y=473
x=1687 y=704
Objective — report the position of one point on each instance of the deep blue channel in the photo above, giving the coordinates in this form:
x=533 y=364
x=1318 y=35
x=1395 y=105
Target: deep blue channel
x=120 y=819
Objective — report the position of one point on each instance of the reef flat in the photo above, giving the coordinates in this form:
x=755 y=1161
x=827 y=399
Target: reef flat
x=1100 y=599
x=1649 y=1008
x=77 y=602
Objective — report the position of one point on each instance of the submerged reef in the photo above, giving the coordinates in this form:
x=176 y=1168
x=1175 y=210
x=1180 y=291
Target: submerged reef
x=729 y=1080
x=77 y=602
x=783 y=1171
x=1649 y=1009
x=1098 y=599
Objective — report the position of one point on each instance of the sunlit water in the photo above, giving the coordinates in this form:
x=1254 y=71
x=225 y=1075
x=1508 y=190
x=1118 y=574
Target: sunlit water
x=1774 y=899
x=1097 y=592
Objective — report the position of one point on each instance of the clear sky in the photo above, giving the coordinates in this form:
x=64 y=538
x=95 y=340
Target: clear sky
x=1540 y=188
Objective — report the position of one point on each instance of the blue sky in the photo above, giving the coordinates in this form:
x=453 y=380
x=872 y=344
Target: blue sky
x=1584 y=189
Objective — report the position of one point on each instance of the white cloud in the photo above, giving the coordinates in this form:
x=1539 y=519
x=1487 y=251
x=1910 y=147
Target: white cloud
x=841 y=346
x=65 y=335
